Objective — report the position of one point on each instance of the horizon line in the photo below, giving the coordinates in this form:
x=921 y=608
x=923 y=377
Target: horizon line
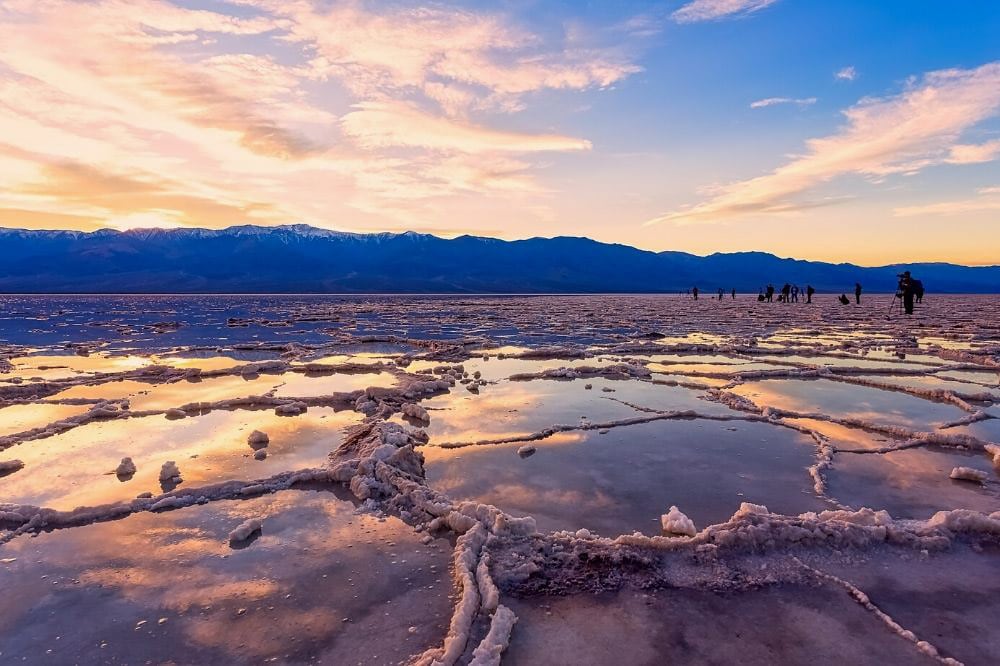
x=493 y=238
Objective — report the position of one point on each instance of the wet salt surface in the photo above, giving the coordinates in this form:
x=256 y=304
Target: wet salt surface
x=76 y=468
x=316 y=585
x=623 y=480
x=914 y=483
x=825 y=397
x=787 y=624
x=701 y=406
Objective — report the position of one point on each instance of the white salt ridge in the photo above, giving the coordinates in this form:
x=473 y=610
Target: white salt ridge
x=244 y=530
x=675 y=522
x=490 y=650
x=968 y=474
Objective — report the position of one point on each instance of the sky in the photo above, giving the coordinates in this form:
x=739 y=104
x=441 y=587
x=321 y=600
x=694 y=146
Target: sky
x=853 y=130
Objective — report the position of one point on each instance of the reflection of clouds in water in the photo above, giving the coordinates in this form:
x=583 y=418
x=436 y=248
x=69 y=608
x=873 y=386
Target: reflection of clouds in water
x=19 y=418
x=301 y=385
x=912 y=483
x=434 y=454
x=842 y=436
x=847 y=401
x=71 y=469
x=178 y=564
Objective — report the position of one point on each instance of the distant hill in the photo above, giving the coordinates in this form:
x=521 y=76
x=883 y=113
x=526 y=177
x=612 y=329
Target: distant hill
x=299 y=258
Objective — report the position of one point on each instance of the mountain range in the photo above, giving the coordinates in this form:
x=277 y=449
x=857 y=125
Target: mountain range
x=304 y=259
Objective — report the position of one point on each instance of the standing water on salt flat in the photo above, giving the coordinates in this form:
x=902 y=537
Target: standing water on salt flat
x=455 y=479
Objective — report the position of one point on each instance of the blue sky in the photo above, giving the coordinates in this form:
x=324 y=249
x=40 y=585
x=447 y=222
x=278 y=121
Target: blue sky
x=849 y=130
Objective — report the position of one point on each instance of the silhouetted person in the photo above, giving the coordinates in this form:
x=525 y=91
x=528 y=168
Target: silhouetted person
x=694 y=292
x=761 y=297
x=734 y=293
x=908 y=289
x=844 y=300
x=785 y=291
x=795 y=293
x=857 y=292
x=721 y=293
x=809 y=293
x=770 y=293
x=918 y=290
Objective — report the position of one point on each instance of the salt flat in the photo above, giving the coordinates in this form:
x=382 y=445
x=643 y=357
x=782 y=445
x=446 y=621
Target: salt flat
x=467 y=479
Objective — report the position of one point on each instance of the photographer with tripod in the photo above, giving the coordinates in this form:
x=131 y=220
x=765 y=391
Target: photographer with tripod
x=906 y=289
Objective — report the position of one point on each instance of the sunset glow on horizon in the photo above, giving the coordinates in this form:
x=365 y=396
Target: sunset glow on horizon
x=853 y=131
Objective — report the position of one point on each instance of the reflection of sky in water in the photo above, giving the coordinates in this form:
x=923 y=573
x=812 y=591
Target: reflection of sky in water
x=934 y=383
x=143 y=395
x=18 y=418
x=72 y=469
x=849 y=401
x=524 y=407
x=315 y=563
x=845 y=437
x=625 y=479
x=296 y=384
x=913 y=483
x=852 y=362
x=50 y=367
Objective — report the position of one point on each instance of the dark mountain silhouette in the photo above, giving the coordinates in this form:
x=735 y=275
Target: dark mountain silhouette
x=299 y=258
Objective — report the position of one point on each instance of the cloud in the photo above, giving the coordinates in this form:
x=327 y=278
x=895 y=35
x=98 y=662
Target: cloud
x=381 y=125
x=846 y=74
x=710 y=10
x=354 y=113
x=464 y=59
x=773 y=101
x=974 y=153
x=988 y=199
x=900 y=134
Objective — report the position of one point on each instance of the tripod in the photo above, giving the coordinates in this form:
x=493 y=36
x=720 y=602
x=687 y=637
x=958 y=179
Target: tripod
x=896 y=305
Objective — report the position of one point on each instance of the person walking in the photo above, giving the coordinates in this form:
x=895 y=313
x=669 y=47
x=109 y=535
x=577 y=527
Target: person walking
x=795 y=293
x=785 y=291
x=857 y=292
x=734 y=293
x=809 y=293
x=770 y=293
x=694 y=292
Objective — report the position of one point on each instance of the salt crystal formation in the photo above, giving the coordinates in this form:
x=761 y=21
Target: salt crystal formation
x=258 y=438
x=675 y=522
x=968 y=474
x=170 y=473
x=728 y=361
x=244 y=530
x=127 y=468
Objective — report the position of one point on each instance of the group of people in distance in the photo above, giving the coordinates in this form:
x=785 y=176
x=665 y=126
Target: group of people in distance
x=788 y=294
x=909 y=289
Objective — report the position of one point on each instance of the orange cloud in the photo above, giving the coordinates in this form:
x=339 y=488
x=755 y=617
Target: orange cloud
x=174 y=116
x=380 y=125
